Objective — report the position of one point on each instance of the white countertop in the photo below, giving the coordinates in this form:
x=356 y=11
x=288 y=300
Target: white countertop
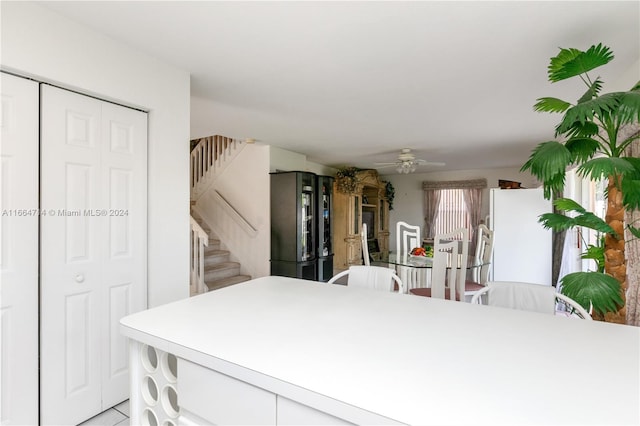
x=412 y=359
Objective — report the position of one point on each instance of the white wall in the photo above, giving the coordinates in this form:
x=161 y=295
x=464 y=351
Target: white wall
x=246 y=186
x=39 y=43
x=408 y=204
x=283 y=160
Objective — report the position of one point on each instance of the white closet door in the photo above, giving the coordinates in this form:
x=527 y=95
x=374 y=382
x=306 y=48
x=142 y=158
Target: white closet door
x=92 y=250
x=124 y=266
x=19 y=252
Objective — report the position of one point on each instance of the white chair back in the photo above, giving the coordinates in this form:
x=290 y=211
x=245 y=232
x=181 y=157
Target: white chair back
x=527 y=297
x=365 y=245
x=482 y=256
x=449 y=270
x=407 y=237
x=373 y=277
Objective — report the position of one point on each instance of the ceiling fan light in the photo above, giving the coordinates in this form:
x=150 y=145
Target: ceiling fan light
x=406 y=167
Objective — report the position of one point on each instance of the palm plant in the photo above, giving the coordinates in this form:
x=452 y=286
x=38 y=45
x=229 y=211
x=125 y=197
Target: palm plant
x=589 y=131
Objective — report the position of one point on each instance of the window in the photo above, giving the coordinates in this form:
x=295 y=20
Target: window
x=450 y=205
x=452 y=213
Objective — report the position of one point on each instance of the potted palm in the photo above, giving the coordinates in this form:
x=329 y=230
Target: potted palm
x=592 y=140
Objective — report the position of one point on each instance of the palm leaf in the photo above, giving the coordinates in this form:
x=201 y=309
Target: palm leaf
x=595 y=253
x=629 y=109
x=630 y=193
x=579 y=130
x=593 y=288
x=634 y=231
x=603 y=167
x=586 y=111
x=561 y=222
x=591 y=221
x=582 y=148
x=551 y=105
x=592 y=91
x=572 y=62
x=567 y=204
x=556 y=221
x=548 y=159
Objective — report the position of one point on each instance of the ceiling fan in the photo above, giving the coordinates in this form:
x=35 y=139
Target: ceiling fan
x=407 y=162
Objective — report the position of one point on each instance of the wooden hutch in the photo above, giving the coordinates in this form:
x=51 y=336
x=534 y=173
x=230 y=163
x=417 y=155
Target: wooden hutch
x=364 y=201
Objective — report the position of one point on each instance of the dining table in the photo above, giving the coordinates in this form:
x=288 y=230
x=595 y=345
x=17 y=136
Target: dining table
x=415 y=271
x=279 y=350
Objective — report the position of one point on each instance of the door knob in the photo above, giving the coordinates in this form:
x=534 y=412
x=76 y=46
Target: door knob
x=79 y=278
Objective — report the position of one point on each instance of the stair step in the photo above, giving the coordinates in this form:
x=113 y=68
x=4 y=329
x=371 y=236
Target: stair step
x=225 y=282
x=214 y=245
x=215 y=256
x=221 y=270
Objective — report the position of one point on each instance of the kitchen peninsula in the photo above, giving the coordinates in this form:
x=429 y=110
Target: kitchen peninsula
x=279 y=350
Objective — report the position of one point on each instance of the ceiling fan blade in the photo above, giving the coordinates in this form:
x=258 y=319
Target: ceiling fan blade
x=384 y=165
x=428 y=163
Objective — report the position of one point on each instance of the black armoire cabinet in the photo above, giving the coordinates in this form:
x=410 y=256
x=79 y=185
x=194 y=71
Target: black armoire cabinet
x=301 y=235
x=325 y=228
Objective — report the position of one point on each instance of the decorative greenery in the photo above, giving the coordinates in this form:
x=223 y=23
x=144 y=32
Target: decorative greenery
x=592 y=288
x=390 y=194
x=347 y=180
x=593 y=142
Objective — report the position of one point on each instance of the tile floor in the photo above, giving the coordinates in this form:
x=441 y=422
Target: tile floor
x=115 y=416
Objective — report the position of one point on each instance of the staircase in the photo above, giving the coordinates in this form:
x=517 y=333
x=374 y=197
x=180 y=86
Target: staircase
x=211 y=267
x=218 y=270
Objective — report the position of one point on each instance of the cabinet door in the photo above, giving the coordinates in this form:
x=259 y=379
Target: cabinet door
x=19 y=251
x=93 y=250
x=221 y=399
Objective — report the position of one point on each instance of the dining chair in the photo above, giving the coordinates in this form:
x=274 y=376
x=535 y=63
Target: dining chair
x=373 y=277
x=480 y=264
x=407 y=238
x=528 y=297
x=449 y=269
x=365 y=245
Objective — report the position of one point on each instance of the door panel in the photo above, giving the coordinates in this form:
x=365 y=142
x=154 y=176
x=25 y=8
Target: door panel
x=124 y=166
x=93 y=250
x=70 y=258
x=19 y=251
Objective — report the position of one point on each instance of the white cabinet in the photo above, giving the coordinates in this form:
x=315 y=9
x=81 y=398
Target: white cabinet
x=214 y=398
x=293 y=413
x=220 y=399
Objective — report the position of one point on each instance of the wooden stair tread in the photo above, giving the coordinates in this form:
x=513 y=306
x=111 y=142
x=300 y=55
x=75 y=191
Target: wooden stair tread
x=225 y=282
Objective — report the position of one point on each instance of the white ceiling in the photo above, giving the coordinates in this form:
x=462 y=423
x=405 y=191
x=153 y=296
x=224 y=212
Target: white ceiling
x=351 y=83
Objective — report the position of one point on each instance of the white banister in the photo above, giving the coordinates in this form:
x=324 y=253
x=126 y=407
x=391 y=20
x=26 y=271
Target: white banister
x=209 y=157
x=199 y=239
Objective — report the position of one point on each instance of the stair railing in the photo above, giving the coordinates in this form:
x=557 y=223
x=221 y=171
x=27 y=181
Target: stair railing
x=249 y=229
x=199 y=239
x=208 y=158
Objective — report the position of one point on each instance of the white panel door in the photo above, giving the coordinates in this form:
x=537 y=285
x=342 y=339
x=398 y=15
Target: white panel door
x=93 y=250
x=124 y=270
x=19 y=251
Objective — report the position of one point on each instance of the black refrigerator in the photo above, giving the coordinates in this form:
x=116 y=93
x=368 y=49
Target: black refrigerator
x=301 y=235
